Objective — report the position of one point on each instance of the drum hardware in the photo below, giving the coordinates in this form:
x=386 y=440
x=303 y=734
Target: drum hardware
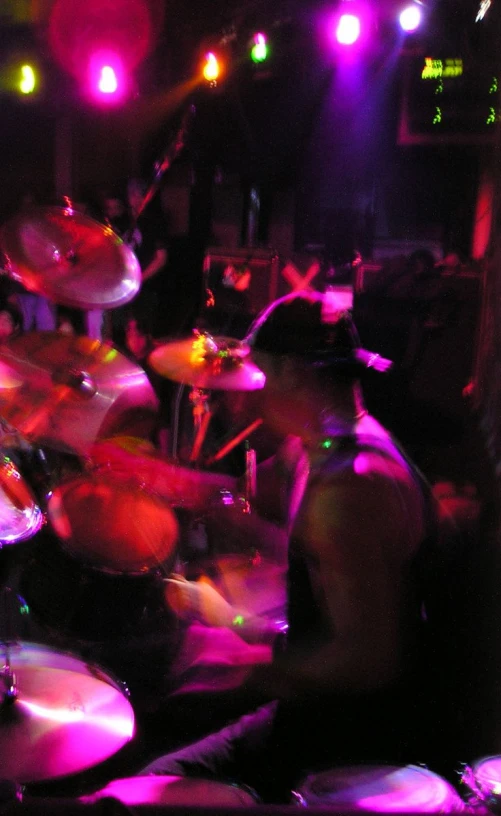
x=70 y=258
x=202 y=415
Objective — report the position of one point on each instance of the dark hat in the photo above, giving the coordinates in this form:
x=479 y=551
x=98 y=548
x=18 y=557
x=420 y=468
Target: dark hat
x=315 y=327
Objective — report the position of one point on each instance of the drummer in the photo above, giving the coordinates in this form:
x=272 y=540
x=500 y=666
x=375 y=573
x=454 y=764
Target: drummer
x=346 y=687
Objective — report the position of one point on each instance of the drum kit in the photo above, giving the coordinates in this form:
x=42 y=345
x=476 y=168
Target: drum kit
x=70 y=396
x=67 y=398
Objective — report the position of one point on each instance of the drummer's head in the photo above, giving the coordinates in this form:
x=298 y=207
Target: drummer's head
x=10 y=322
x=311 y=329
x=308 y=347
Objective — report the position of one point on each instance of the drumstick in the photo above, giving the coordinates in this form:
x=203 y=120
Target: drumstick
x=200 y=437
x=235 y=441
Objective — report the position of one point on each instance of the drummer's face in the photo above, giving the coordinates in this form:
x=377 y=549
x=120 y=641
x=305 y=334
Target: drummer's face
x=276 y=398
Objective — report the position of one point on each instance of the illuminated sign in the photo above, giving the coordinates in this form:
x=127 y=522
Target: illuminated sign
x=441 y=69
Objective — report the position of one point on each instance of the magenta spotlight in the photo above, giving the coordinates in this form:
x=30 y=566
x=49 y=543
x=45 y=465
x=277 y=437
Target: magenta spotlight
x=348 y=29
x=410 y=18
x=106 y=77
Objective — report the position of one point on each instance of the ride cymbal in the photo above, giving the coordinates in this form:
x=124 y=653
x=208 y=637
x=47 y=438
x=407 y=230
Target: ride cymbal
x=204 y=361
x=70 y=258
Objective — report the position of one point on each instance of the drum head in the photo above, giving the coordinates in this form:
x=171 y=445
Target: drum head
x=381 y=788
x=113 y=525
x=20 y=516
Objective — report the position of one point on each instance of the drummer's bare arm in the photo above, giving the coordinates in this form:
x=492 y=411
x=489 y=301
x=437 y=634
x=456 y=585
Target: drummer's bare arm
x=201 y=601
x=156 y=264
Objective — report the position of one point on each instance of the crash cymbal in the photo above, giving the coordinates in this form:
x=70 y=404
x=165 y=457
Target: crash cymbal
x=205 y=361
x=58 y=714
x=113 y=523
x=73 y=390
x=70 y=258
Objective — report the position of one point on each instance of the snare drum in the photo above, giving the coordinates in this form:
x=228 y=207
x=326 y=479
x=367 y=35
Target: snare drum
x=483 y=780
x=379 y=788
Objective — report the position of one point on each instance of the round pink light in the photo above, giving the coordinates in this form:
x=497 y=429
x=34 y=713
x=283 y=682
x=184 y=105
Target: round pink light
x=348 y=29
x=106 y=76
x=410 y=18
x=108 y=80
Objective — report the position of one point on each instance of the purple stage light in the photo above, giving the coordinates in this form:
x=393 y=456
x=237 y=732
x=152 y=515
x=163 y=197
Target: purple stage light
x=410 y=18
x=348 y=29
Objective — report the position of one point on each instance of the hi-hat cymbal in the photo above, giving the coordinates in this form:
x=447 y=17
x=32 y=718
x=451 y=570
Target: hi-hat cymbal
x=59 y=715
x=204 y=361
x=70 y=258
x=72 y=391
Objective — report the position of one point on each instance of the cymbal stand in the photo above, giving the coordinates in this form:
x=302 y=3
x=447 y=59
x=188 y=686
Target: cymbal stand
x=202 y=415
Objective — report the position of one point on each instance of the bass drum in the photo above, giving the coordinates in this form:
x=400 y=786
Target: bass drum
x=379 y=789
x=103 y=574
x=71 y=601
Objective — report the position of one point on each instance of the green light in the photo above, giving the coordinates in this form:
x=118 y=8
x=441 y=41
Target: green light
x=24 y=609
x=438 y=116
x=28 y=80
x=491 y=119
x=238 y=620
x=326 y=444
x=259 y=50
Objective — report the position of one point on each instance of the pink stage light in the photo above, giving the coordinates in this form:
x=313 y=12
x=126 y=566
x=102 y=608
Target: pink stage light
x=107 y=81
x=410 y=18
x=348 y=29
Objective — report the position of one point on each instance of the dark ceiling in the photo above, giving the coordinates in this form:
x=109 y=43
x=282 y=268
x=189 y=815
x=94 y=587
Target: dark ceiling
x=265 y=125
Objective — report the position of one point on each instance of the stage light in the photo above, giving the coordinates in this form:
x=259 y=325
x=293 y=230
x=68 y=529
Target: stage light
x=107 y=80
x=410 y=18
x=348 y=29
x=27 y=79
x=107 y=77
x=259 y=50
x=211 y=69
